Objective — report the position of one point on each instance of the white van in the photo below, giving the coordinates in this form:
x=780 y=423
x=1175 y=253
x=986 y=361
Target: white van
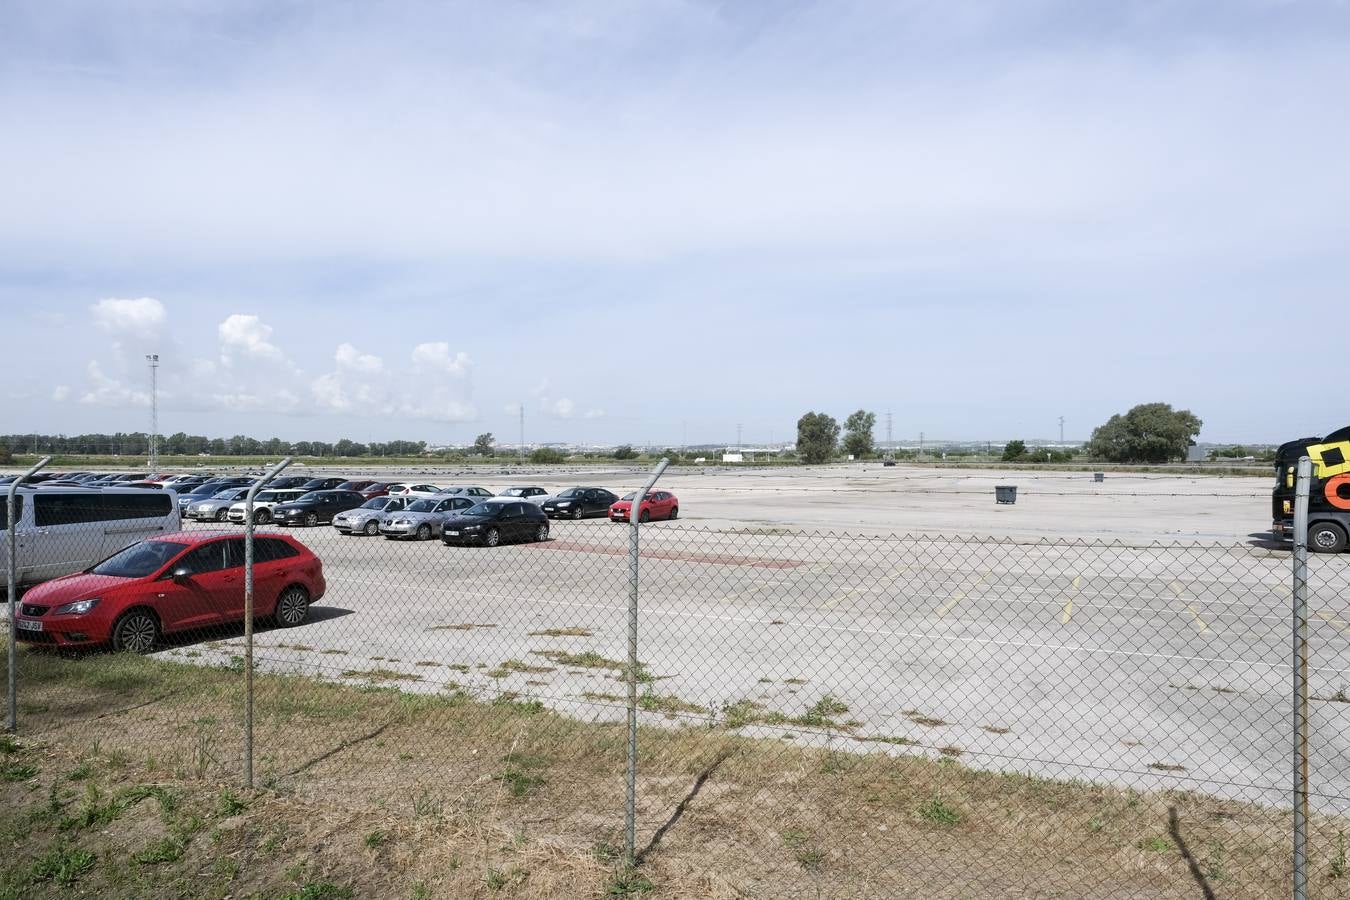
x=65 y=530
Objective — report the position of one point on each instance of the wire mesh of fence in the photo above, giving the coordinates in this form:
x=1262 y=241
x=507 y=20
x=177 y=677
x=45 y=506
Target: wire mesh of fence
x=818 y=713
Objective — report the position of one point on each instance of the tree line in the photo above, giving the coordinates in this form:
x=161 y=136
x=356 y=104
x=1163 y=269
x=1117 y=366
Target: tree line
x=181 y=444
x=1147 y=433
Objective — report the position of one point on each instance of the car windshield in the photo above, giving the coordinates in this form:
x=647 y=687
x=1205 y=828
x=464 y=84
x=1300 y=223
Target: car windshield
x=273 y=495
x=306 y=498
x=422 y=506
x=570 y=492
x=139 y=560
x=513 y=492
x=630 y=495
x=376 y=503
x=485 y=509
x=231 y=494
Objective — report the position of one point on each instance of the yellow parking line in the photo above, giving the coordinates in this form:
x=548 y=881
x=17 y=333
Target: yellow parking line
x=1328 y=617
x=743 y=595
x=959 y=596
x=1178 y=589
x=832 y=603
x=1068 y=603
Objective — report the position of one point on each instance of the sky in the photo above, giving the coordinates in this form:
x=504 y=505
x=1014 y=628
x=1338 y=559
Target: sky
x=655 y=222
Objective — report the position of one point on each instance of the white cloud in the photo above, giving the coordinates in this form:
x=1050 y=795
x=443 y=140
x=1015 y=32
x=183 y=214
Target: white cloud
x=561 y=408
x=108 y=391
x=142 y=317
x=247 y=336
x=349 y=357
x=437 y=357
x=61 y=393
x=594 y=414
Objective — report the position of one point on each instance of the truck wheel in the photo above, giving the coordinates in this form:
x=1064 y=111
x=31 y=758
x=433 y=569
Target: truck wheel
x=1326 y=537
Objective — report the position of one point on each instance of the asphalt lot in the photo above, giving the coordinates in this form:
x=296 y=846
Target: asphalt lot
x=1132 y=632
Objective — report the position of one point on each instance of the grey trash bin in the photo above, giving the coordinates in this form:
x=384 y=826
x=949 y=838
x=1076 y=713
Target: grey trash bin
x=1098 y=476
x=1005 y=493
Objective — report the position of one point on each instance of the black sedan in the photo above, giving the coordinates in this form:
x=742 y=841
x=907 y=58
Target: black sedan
x=321 y=484
x=495 y=522
x=579 y=503
x=316 y=507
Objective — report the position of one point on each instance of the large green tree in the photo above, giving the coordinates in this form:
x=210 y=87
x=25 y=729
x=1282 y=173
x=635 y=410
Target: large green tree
x=858 y=433
x=817 y=437
x=483 y=444
x=1148 y=433
x=1014 y=451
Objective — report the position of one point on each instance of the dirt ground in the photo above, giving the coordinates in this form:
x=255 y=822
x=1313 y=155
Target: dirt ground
x=125 y=781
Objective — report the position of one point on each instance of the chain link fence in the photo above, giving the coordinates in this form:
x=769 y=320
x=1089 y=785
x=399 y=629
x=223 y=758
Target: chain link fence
x=817 y=714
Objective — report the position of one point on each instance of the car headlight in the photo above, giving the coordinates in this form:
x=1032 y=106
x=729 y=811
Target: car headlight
x=473 y=527
x=564 y=502
x=78 y=608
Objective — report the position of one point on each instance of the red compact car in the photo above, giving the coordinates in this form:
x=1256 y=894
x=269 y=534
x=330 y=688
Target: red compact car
x=173 y=582
x=656 y=505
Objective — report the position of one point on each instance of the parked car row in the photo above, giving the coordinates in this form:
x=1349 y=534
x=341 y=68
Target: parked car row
x=421 y=511
x=169 y=580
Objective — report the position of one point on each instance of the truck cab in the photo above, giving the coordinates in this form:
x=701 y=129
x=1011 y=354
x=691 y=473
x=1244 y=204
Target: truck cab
x=1328 y=495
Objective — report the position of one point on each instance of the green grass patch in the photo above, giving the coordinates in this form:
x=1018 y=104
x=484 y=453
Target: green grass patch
x=626 y=882
x=166 y=850
x=322 y=890
x=939 y=813
x=515 y=666
x=380 y=675
x=63 y=864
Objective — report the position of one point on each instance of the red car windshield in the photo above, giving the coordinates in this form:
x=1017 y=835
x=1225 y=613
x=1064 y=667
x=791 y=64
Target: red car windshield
x=139 y=560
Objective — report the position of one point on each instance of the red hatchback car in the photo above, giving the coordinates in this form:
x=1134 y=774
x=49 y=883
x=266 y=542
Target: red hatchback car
x=173 y=582
x=656 y=505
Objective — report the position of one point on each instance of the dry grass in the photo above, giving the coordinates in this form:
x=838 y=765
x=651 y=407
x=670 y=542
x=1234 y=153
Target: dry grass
x=462 y=626
x=529 y=804
x=563 y=632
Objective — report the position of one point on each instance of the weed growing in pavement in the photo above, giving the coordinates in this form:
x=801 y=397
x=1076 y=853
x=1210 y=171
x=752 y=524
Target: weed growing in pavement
x=1338 y=861
x=794 y=838
x=1155 y=844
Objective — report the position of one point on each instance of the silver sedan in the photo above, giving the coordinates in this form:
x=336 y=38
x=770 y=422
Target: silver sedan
x=422 y=519
x=216 y=508
x=365 y=519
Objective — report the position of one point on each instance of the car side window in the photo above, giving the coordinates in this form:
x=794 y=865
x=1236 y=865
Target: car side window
x=518 y=509
x=234 y=553
x=205 y=558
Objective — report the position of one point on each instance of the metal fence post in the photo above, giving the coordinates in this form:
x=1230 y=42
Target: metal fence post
x=13 y=577
x=634 y=521
x=1300 y=598
x=248 y=615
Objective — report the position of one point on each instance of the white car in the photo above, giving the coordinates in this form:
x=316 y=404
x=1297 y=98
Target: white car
x=531 y=494
x=413 y=490
x=262 y=505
